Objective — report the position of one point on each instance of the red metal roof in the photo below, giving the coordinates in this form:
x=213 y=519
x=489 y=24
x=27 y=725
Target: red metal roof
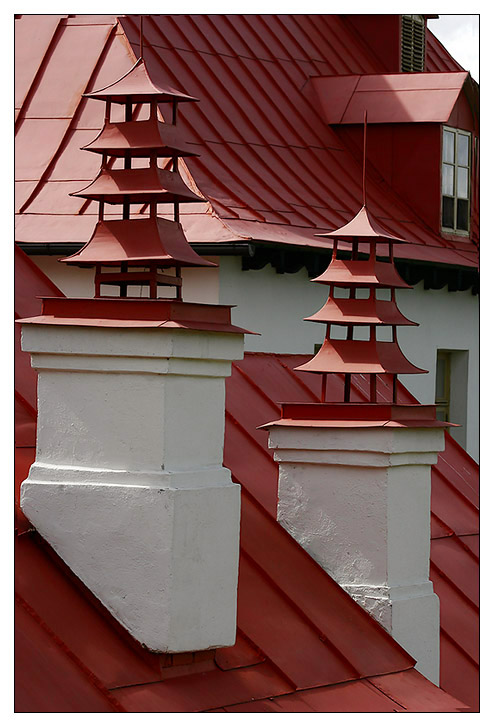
x=389 y=98
x=270 y=167
x=302 y=645
x=264 y=380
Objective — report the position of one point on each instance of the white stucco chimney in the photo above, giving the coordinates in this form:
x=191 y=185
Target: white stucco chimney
x=354 y=491
x=128 y=485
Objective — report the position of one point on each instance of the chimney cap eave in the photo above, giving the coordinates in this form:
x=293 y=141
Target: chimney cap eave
x=366 y=415
x=363 y=227
x=137 y=87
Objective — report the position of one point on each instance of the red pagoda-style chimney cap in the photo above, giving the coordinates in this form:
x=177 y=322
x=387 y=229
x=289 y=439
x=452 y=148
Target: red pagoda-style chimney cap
x=141 y=138
x=364 y=226
x=139 y=242
x=137 y=87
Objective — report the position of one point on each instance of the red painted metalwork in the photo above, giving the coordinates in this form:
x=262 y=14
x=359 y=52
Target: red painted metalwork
x=137 y=186
x=369 y=356
x=455 y=499
x=142 y=137
x=360 y=357
x=287 y=605
x=362 y=273
x=251 y=73
x=112 y=312
x=72 y=656
x=153 y=243
x=356 y=415
x=389 y=98
x=139 y=241
x=137 y=87
x=348 y=311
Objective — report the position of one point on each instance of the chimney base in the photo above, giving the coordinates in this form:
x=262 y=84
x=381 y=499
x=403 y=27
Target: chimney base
x=128 y=486
x=355 y=494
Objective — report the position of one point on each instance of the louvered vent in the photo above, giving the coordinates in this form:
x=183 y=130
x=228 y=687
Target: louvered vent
x=412 y=43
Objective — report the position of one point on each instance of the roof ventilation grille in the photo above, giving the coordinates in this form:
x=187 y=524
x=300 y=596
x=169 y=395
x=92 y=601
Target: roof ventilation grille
x=412 y=43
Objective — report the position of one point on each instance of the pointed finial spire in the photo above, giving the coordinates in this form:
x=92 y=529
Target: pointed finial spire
x=364 y=153
x=141 y=20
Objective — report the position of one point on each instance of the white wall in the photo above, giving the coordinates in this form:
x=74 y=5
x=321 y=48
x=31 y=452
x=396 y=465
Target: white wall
x=200 y=285
x=448 y=321
x=275 y=306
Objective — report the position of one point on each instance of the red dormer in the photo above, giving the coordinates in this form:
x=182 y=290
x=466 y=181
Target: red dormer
x=422 y=141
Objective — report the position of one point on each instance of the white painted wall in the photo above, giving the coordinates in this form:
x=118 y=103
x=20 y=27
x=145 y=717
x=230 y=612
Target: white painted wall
x=200 y=285
x=128 y=485
x=357 y=499
x=275 y=306
x=447 y=321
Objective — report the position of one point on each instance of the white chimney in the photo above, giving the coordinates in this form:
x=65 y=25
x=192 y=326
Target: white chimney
x=356 y=495
x=128 y=485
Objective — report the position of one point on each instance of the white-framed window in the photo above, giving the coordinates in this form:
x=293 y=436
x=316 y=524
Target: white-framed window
x=412 y=43
x=455 y=180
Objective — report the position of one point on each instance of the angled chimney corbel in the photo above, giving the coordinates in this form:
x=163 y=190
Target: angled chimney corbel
x=354 y=478
x=128 y=485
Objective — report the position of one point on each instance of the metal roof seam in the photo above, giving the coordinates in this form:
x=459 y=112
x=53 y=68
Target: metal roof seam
x=255 y=386
x=38 y=75
x=453 y=585
x=456 y=645
x=322 y=636
x=64 y=139
x=456 y=490
x=336 y=40
x=248 y=145
x=248 y=435
x=87 y=672
x=388 y=696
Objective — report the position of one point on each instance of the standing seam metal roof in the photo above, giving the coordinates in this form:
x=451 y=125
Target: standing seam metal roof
x=270 y=166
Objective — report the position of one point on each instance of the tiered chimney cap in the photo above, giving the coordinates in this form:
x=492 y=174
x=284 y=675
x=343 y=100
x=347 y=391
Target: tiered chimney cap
x=363 y=271
x=137 y=87
x=151 y=242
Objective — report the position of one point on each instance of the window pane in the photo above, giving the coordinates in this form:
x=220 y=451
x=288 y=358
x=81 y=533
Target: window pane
x=448 y=179
x=448 y=212
x=440 y=378
x=462 y=149
x=462 y=181
x=462 y=215
x=448 y=147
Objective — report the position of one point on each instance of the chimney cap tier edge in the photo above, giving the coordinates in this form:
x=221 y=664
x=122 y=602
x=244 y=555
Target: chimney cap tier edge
x=345 y=415
x=115 y=312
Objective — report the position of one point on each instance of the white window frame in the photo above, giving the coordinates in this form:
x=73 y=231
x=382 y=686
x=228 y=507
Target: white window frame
x=457 y=132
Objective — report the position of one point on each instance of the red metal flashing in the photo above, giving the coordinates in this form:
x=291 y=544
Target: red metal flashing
x=360 y=357
x=326 y=414
x=362 y=273
x=271 y=168
x=141 y=185
x=365 y=226
x=389 y=98
x=351 y=311
x=138 y=86
x=142 y=137
x=113 y=312
x=138 y=241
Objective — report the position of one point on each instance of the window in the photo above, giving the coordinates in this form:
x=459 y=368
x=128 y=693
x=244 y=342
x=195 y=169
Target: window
x=452 y=391
x=456 y=180
x=412 y=43
x=443 y=387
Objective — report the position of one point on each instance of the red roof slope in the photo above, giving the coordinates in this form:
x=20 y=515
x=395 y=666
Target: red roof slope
x=389 y=98
x=302 y=645
x=263 y=380
x=270 y=167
